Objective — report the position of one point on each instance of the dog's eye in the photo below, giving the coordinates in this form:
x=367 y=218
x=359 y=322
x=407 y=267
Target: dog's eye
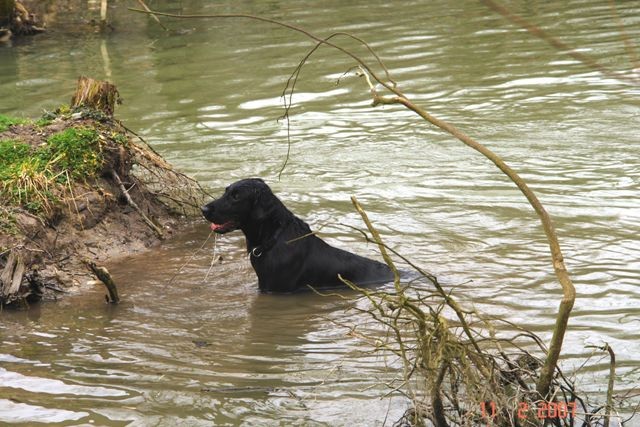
x=235 y=196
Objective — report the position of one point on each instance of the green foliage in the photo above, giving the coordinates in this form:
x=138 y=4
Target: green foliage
x=11 y=152
x=27 y=182
x=43 y=121
x=29 y=176
x=63 y=110
x=6 y=121
x=73 y=151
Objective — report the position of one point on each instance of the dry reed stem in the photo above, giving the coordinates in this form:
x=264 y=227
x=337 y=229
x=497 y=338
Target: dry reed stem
x=612 y=378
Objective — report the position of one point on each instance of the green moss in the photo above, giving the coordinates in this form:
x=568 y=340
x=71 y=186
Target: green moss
x=30 y=176
x=73 y=151
x=6 y=121
x=64 y=110
x=11 y=152
x=43 y=121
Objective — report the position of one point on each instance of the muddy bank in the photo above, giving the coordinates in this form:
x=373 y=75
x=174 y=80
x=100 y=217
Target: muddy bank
x=77 y=187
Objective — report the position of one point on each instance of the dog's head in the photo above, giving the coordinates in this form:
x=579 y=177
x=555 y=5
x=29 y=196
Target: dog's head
x=245 y=202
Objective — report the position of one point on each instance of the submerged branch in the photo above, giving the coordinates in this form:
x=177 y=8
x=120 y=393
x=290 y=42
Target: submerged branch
x=612 y=378
x=105 y=278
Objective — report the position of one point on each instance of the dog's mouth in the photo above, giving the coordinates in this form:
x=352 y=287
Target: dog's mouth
x=223 y=228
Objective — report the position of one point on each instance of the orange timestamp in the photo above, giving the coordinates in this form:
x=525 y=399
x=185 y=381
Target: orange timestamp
x=543 y=410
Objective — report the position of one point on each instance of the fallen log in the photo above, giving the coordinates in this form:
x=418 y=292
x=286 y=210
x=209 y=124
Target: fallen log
x=11 y=278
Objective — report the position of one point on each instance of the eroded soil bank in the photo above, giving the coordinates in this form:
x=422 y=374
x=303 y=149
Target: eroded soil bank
x=77 y=187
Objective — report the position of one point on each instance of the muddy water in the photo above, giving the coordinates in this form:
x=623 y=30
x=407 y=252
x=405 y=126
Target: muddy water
x=207 y=349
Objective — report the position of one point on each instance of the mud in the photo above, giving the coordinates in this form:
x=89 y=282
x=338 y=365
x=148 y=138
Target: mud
x=89 y=219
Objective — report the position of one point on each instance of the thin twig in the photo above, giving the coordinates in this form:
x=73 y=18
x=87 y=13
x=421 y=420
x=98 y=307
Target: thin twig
x=294 y=76
x=193 y=255
x=214 y=257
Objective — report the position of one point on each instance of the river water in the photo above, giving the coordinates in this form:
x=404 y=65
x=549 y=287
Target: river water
x=207 y=348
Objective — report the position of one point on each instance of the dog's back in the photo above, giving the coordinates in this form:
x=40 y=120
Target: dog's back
x=297 y=262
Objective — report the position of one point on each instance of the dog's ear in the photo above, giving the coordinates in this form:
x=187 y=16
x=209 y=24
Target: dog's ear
x=263 y=203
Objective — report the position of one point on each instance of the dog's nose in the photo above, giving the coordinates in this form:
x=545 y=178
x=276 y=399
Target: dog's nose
x=205 y=210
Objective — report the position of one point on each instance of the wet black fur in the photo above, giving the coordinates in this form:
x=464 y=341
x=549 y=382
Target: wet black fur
x=282 y=263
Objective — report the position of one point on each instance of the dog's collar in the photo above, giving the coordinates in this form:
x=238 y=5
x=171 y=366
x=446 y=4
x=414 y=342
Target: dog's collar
x=259 y=250
x=256 y=252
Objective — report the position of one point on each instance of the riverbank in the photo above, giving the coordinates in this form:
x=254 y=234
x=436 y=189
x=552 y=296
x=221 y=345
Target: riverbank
x=77 y=187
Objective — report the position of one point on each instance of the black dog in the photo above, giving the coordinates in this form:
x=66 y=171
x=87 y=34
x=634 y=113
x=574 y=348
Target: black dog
x=283 y=252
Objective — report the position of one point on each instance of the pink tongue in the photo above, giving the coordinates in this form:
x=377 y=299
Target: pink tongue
x=215 y=227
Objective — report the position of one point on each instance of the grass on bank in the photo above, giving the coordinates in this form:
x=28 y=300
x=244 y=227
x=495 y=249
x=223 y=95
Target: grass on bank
x=33 y=177
x=29 y=176
x=6 y=122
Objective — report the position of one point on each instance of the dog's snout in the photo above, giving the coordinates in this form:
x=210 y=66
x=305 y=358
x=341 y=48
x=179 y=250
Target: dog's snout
x=205 y=209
